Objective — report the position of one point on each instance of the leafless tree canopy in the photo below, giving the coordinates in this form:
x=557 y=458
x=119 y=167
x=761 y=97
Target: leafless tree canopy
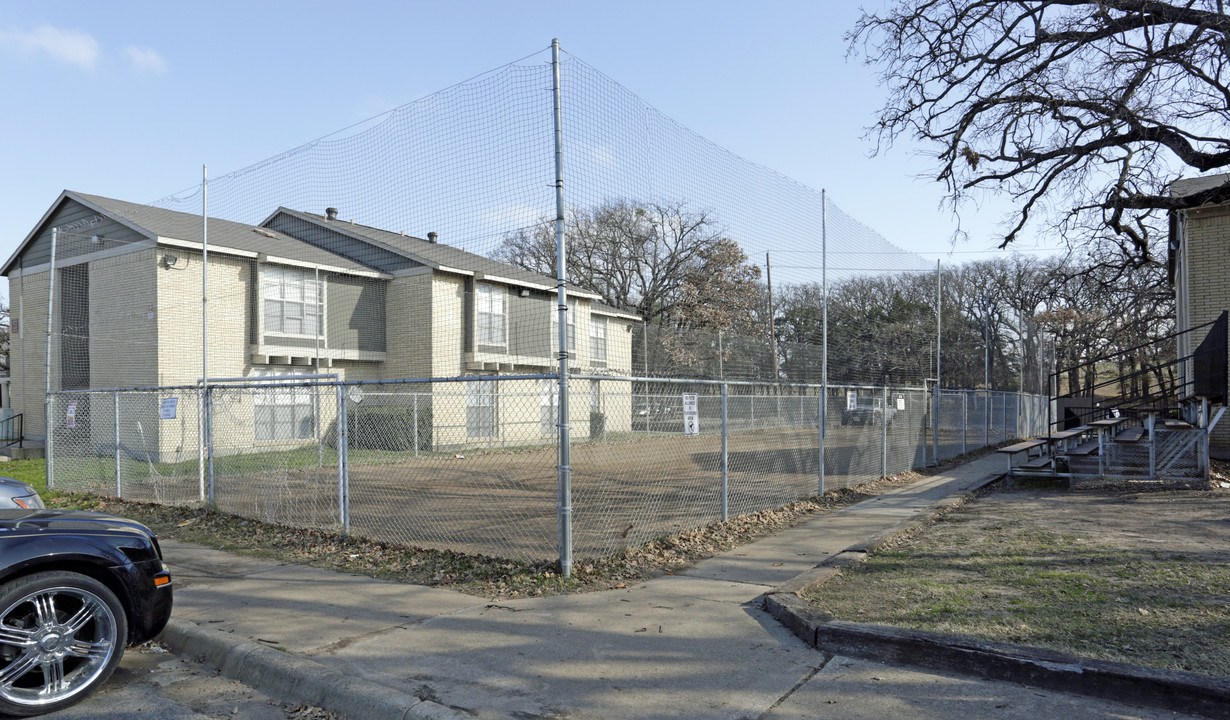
x=1082 y=111
x=664 y=261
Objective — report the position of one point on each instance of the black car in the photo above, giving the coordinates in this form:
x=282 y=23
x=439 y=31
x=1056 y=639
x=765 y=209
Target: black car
x=75 y=589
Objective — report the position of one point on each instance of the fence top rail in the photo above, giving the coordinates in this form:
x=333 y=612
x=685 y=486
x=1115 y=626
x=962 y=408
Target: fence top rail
x=332 y=380
x=747 y=383
x=269 y=378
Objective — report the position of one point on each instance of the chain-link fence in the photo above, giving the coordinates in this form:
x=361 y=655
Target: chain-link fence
x=470 y=464
x=533 y=222
x=971 y=419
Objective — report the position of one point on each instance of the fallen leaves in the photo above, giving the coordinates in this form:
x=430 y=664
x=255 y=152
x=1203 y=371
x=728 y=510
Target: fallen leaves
x=477 y=574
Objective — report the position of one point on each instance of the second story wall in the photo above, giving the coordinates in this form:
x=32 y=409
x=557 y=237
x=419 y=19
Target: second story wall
x=179 y=316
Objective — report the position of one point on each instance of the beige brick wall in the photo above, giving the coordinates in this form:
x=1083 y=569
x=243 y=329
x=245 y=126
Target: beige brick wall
x=28 y=303
x=123 y=321
x=122 y=345
x=1208 y=275
x=179 y=317
x=447 y=326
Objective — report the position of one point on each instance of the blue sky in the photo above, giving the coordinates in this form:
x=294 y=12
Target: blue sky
x=129 y=99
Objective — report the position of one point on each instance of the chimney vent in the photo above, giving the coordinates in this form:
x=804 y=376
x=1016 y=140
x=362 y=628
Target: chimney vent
x=431 y=237
x=331 y=213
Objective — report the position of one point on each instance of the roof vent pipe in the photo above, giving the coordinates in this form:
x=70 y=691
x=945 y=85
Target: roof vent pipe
x=331 y=213
x=431 y=237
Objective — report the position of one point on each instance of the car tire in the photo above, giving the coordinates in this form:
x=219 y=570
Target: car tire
x=61 y=636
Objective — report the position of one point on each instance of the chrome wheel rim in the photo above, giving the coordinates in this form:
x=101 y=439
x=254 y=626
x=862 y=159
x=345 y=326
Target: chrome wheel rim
x=54 y=643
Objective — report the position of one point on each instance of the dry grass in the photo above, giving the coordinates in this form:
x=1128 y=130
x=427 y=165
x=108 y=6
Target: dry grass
x=1142 y=578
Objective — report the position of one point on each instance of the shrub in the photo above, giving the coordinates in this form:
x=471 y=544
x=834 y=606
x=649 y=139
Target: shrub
x=388 y=428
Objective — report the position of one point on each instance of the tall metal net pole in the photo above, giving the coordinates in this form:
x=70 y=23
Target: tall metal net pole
x=935 y=403
x=824 y=328
x=202 y=414
x=51 y=296
x=986 y=369
x=565 y=452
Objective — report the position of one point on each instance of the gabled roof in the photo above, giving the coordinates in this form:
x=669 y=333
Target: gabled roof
x=437 y=256
x=155 y=223
x=1190 y=186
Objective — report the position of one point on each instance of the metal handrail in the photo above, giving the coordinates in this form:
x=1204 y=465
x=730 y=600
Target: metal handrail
x=14 y=420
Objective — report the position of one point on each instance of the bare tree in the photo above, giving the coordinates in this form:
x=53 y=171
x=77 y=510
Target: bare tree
x=663 y=261
x=1083 y=111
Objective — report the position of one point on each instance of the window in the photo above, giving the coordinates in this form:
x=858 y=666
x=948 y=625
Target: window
x=572 y=326
x=489 y=306
x=293 y=301
x=283 y=413
x=480 y=409
x=597 y=339
x=549 y=404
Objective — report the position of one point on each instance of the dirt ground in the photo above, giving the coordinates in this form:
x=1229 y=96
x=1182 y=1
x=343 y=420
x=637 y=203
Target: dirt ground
x=502 y=503
x=1138 y=577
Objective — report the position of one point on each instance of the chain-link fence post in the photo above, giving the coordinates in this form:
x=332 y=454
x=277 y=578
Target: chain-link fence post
x=725 y=459
x=884 y=429
x=209 y=443
x=416 y=424
x=48 y=426
x=343 y=449
x=935 y=422
x=561 y=258
x=822 y=397
x=115 y=409
x=964 y=421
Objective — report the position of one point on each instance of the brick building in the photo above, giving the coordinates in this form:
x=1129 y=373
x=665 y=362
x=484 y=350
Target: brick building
x=1199 y=271
x=298 y=294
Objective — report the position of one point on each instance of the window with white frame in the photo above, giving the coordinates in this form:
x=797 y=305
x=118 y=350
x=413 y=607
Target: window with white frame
x=489 y=306
x=572 y=326
x=597 y=338
x=283 y=412
x=293 y=301
x=480 y=409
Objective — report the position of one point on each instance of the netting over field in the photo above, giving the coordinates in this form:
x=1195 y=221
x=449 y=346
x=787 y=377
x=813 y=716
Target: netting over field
x=385 y=298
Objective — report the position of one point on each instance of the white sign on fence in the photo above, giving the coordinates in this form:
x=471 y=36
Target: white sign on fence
x=901 y=402
x=691 y=414
x=166 y=411
x=70 y=415
x=852 y=400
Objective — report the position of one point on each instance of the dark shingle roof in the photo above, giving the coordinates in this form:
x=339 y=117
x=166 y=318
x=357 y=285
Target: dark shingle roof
x=222 y=233
x=440 y=255
x=1189 y=186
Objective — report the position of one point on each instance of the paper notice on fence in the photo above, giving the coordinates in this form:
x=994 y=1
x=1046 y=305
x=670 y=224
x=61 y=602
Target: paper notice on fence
x=166 y=411
x=691 y=414
x=70 y=415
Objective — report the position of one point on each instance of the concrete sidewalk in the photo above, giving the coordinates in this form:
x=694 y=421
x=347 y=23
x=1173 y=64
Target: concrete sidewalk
x=697 y=644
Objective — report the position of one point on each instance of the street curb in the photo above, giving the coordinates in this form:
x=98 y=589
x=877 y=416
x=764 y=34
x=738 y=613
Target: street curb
x=292 y=678
x=1035 y=667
